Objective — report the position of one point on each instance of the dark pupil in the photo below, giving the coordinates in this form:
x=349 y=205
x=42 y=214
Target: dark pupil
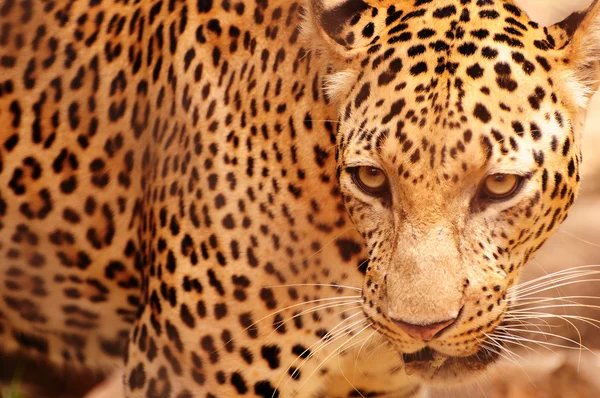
x=500 y=178
x=374 y=172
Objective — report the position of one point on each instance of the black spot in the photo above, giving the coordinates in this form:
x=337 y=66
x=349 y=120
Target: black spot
x=267 y=296
x=215 y=282
x=228 y=222
x=348 y=248
x=486 y=146
x=543 y=63
x=518 y=128
x=480 y=33
x=220 y=311
x=248 y=325
x=301 y=351
x=475 y=71
x=414 y=158
x=482 y=113
x=368 y=30
x=186 y=316
x=265 y=390
x=416 y=50
x=418 y=68
x=333 y=20
x=11 y=142
x=566 y=147
x=137 y=378
x=395 y=110
x=171 y=262
x=425 y=33
x=545 y=180
x=467 y=49
x=512 y=9
x=444 y=12
x=489 y=53
x=271 y=355
x=362 y=95
x=571 y=168
x=536 y=132
x=488 y=14
x=237 y=380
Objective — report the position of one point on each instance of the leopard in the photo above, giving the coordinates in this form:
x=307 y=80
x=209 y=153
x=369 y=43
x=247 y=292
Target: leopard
x=280 y=198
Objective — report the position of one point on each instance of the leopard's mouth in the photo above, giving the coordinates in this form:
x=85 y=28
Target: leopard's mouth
x=433 y=366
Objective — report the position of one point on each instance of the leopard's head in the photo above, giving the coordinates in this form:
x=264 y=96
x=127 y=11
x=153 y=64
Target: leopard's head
x=458 y=151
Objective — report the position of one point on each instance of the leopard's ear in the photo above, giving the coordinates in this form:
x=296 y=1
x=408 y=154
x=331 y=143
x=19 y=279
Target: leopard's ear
x=582 y=51
x=348 y=25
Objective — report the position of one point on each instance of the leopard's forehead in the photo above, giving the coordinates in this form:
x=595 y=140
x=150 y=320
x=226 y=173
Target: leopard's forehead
x=444 y=80
x=355 y=24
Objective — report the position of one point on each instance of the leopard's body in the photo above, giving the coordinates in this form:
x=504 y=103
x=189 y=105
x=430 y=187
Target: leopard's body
x=166 y=167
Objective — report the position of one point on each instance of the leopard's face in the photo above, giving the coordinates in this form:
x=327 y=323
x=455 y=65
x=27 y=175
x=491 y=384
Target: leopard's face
x=457 y=158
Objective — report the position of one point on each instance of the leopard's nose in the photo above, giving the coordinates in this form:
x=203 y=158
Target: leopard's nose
x=425 y=332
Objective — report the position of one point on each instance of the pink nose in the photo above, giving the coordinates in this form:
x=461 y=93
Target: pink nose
x=424 y=332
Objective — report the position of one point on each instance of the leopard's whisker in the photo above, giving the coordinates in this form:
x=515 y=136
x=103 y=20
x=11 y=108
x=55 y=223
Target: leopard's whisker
x=317 y=345
x=520 y=338
x=333 y=285
x=570 y=272
x=536 y=299
x=487 y=344
x=526 y=325
x=356 y=304
x=556 y=306
x=342 y=331
x=356 y=390
x=301 y=304
x=562 y=231
x=578 y=334
x=552 y=278
x=342 y=299
x=544 y=315
x=345 y=349
x=377 y=347
x=492 y=335
x=566 y=318
x=357 y=355
x=490 y=347
x=509 y=330
x=497 y=349
x=533 y=301
x=335 y=352
x=328 y=243
x=362 y=342
x=492 y=339
x=516 y=339
x=556 y=286
x=566 y=271
x=522 y=322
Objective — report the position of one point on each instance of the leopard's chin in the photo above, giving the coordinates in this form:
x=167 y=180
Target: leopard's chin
x=438 y=369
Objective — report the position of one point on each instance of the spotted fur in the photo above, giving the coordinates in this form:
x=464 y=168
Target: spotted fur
x=176 y=186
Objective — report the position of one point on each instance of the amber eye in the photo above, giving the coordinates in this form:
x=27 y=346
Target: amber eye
x=370 y=179
x=501 y=186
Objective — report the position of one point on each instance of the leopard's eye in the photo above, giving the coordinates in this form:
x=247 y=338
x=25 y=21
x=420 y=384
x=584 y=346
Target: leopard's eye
x=370 y=179
x=501 y=186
